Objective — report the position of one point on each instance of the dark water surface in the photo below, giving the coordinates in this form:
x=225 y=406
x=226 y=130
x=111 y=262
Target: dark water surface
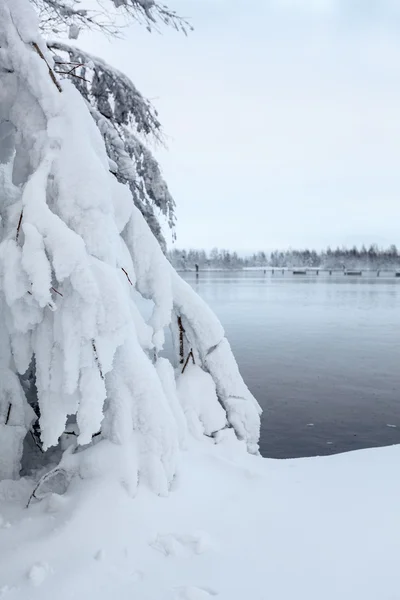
x=320 y=354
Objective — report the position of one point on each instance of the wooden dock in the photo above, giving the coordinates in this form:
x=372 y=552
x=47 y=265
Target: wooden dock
x=317 y=271
x=307 y=271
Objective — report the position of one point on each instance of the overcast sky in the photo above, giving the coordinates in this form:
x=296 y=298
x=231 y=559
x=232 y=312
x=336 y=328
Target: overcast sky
x=282 y=119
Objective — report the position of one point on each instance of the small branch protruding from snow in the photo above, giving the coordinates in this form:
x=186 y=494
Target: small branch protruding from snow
x=36 y=441
x=51 y=72
x=97 y=360
x=127 y=276
x=57 y=292
x=59 y=486
x=72 y=74
x=181 y=332
x=187 y=360
x=19 y=225
x=76 y=435
x=8 y=414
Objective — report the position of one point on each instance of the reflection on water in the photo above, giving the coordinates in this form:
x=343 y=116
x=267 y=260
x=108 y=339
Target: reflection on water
x=320 y=353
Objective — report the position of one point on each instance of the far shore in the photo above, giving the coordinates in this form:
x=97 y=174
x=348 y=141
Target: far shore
x=296 y=270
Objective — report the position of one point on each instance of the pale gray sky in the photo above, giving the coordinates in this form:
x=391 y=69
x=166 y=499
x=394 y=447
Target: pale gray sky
x=282 y=117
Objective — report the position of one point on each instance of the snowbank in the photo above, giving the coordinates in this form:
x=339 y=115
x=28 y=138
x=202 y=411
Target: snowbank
x=236 y=527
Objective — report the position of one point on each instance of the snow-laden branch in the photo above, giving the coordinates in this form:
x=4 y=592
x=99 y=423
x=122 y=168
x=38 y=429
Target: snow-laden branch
x=109 y=90
x=204 y=334
x=133 y=164
x=70 y=16
x=122 y=115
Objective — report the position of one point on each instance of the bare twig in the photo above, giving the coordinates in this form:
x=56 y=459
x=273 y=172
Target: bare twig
x=32 y=495
x=97 y=360
x=42 y=480
x=70 y=73
x=127 y=276
x=36 y=442
x=8 y=413
x=57 y=292
x=19 y=225
x=76 y=435
x=68 y=62
x=51 y=72
x=187 y=360
x=181 y=332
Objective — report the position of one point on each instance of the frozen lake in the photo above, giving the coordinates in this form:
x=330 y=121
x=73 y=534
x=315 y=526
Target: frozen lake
x=320 y=354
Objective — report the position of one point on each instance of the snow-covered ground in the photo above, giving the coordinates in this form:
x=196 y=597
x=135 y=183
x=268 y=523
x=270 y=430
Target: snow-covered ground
x=234 y=527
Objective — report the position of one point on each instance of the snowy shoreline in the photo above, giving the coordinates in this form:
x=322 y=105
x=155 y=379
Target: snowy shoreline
x=235 y=527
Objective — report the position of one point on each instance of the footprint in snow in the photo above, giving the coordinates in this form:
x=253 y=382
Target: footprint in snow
x=3 y=523
x=192 y=592
x=38 y=573
x=100 y=554
x=173 y=544
x=5 y=590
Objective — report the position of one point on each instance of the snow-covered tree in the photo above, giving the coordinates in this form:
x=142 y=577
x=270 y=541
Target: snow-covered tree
x=76 y=254
x=125 y=119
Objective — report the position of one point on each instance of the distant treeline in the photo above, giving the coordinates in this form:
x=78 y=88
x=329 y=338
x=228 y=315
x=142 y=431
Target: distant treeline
x=340 y=258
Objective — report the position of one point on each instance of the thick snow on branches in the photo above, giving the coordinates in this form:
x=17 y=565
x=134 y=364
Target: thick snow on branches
x=124 y=118
x=72 y=15
x=74 y=253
